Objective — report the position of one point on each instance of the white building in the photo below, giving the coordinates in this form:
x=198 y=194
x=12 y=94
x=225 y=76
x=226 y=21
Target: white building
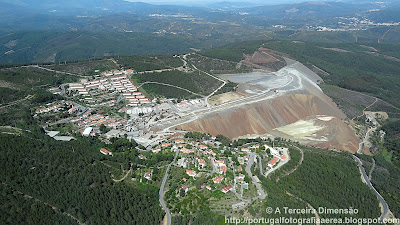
x=87 y=132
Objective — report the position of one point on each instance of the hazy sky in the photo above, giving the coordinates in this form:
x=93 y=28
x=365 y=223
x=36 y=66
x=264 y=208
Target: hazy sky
x=202 y=2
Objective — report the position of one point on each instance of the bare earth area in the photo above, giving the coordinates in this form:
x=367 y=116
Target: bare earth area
x=225 y=97
x=286 y=103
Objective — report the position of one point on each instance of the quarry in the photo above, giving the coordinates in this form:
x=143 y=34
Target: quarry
x=286 y=103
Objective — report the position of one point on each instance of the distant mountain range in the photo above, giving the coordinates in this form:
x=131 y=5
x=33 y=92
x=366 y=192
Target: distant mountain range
x=214 y=24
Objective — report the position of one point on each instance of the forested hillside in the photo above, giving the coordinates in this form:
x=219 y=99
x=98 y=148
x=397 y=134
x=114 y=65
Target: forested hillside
x=321 y=179
x=70 y=177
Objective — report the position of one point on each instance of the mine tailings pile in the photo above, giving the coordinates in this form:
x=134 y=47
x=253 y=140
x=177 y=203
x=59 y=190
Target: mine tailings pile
x=264 y=117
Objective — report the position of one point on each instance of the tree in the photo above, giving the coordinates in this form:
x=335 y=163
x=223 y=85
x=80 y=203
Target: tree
x=103 y=129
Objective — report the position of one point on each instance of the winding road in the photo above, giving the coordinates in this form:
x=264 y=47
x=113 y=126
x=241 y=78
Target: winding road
x=161 y=192
x=123 y=178
x=380 y=198
x=260 y=190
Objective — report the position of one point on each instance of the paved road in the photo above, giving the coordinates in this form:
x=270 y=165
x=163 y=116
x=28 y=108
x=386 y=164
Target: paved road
x=260 y=190
x=161 y=192
x=279 y=165
x=260 y=164
x=380 y=198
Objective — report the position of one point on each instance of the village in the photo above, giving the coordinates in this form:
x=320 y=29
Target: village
x=110 y=106
x=207 y=167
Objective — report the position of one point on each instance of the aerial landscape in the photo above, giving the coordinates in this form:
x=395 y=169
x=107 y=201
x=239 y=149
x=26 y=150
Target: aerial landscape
x=199 y=112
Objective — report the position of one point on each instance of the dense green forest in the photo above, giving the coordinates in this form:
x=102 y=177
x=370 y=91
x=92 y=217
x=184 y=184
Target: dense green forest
x=392 y=140
x=148 y=63
x=71 y=177
x=386 y=179
x=203 y=217
x=85 y=67
x=37 y=46
x=324 y=179
x=17 y=208
x=233 y=52
x=33 y=78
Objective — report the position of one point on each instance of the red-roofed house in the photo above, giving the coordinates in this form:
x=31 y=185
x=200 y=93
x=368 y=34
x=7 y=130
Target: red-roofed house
x=185 y=188
x=255 y=146
x=156 y=150
x=105 y=151
x=71 y=110
x=218 y=179
x=202 y=147
x=223 y=169
x=180 y=141
x=245 y=149
x=273 y=162
x=147 y=175
x=226 y=189
x=202 y=163
x=191 y=173
x=165 y=145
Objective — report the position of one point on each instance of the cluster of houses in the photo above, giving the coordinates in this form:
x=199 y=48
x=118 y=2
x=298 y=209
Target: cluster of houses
x=93 y=119
x=55 y=107
x=111 y=82
x=277 y=154
x=183 y=147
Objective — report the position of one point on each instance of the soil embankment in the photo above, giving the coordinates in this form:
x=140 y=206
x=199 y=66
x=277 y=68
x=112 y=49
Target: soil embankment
x=264 y=117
